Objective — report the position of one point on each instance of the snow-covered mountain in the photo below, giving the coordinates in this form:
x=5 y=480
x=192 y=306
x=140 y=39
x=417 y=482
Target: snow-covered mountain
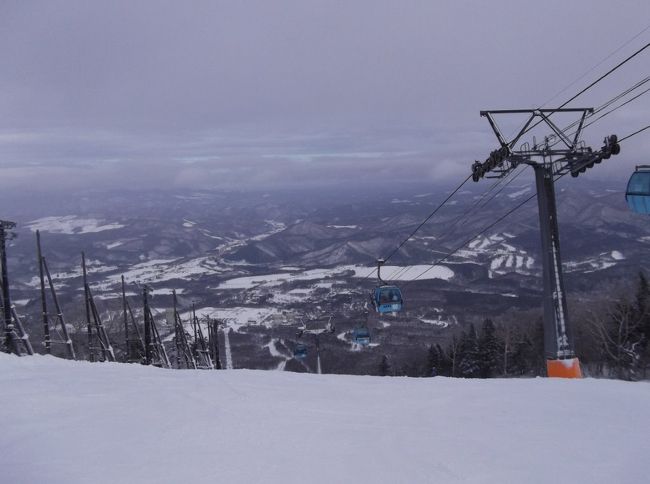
x=298 y=256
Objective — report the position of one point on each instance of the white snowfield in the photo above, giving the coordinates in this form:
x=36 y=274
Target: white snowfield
x=396 y=273
x=71 y=224
x=77 y=422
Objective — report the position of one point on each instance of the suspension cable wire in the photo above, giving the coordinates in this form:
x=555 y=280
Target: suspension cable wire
x=603 y=115
x=500 y=219
x=481 y=232
x=617 y=107
x=488 y=227
x=607 y=104
x=398 y=273
x=421 y=225
x=476 y=204
x=504 y=186
x=613 y=69
x=616 y=67
x=611 y=101
x=616 y=51
x=592 y=84
x=467 y=241
x=387 y=258
x=624 y=93
x=633 y=134
x=400 y=270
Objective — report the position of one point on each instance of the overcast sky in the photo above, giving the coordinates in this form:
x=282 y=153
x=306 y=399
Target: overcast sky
x=242 y=93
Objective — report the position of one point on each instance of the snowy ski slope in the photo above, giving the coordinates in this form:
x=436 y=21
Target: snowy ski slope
x=77 y=422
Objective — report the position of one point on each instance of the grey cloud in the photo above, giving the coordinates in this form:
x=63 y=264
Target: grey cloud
x=248 y=92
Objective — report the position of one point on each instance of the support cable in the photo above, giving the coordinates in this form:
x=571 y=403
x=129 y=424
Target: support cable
x=485 y=229
x=592 y=84
x=402 y=270
x=616 y=67
x=468 y=212
x=605 y=105
x=612 y=101
x=616 y=51
x=421 y=225
x=617 y=107
x=633 y=134
x=387 y=258
x=449 y=254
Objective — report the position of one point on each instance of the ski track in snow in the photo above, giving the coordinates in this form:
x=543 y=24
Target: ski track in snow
x=504 y=257
x=273 y=349
x=226 y=343
x=594 y=264
x=437 y=322
x=160 y=426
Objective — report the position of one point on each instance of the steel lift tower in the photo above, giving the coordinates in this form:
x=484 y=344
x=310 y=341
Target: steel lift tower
x=558 y=155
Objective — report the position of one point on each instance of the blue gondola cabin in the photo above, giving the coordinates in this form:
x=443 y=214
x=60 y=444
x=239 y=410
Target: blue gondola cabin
x=637 y=194
x=388 y=299
x=361 y=336
x=300 y=351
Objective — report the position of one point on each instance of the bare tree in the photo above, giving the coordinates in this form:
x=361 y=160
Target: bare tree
x=617 y=327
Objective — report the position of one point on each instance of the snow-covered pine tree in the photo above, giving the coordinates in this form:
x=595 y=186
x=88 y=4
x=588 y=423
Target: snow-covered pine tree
x=490 y=350
x=384 y=366
x=468 y=357
x=433 y=361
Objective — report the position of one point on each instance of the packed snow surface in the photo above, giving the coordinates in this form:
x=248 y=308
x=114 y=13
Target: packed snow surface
x=78 y=422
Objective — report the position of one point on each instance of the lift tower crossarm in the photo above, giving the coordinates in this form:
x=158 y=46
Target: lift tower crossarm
x=502 y=161
x=545 y=115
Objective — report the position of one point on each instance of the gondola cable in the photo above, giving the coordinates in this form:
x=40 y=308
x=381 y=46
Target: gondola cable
x=592 y=84
x=503 y=217
x=477 y=205
x=609 y=72
x=381 y=261
x=625 y=44
x=633 y=134
x=608 y=103
x=616 y=51
x=616 y=108
x=385 y=259
x=388 y=257
x=611 y=101
x=467 y=241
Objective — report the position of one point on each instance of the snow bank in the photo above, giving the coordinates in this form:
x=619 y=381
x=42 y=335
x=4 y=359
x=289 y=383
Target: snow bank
x=77 y=422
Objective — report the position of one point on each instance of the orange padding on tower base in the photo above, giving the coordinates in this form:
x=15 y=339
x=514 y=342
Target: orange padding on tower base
x=569 y=368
